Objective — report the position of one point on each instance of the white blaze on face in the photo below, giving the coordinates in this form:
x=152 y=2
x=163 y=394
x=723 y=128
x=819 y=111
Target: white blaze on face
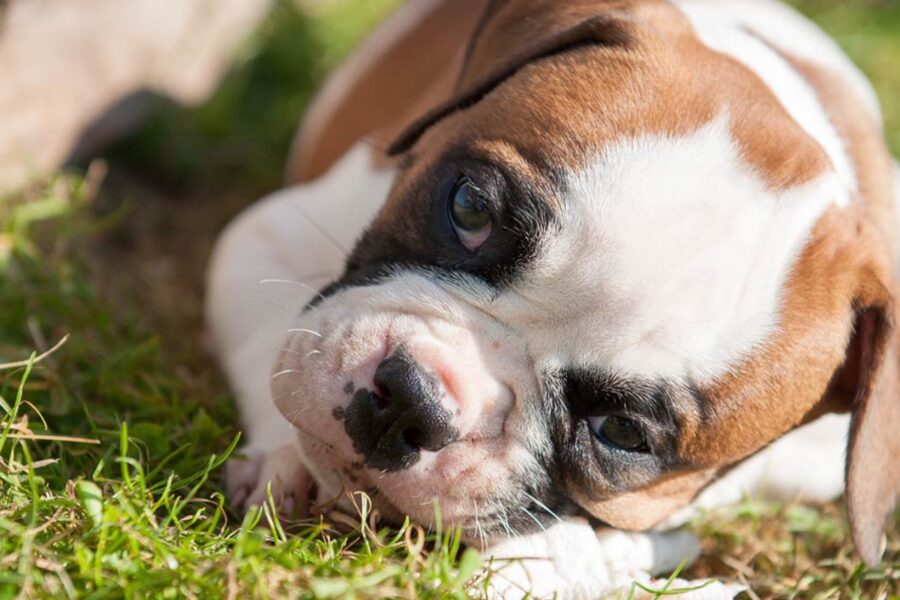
x=671 y=260
x=784 y=28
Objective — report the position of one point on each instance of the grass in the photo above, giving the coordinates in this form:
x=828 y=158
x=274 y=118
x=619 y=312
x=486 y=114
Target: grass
x=121 y=497
x=128 y=501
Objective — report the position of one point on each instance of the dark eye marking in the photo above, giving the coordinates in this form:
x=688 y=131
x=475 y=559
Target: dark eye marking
x=633 y=415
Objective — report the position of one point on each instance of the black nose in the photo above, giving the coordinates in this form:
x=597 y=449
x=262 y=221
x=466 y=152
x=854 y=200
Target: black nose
x=401 y=416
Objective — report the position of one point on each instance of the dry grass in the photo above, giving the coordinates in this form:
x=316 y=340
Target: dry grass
x=793 y=551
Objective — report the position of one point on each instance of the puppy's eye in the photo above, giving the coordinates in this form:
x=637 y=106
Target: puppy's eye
x=469 y=213
x=618 y=432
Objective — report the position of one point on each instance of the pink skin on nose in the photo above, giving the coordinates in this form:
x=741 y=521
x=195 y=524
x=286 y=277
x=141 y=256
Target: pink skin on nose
x=470 y=392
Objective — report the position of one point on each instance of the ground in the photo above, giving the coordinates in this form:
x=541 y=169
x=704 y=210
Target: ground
x=111 y=447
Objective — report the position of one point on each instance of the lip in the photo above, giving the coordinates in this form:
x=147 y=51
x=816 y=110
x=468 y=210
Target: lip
x=393 y=502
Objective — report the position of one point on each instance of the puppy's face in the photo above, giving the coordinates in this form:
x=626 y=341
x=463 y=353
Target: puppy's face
x=602 y=277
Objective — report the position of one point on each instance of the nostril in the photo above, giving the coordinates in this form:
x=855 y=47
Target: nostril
x=399 y=416
x=381 y=401
x=413 y=437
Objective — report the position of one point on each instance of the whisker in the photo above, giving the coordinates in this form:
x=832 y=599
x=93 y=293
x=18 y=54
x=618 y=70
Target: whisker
x=504 y=522
x=321 y=230
x=534 y=518
x=479 y=530
x=301 y=330
x=543 y=506
x=285 y=372
x=290 y=351
x=300 y=283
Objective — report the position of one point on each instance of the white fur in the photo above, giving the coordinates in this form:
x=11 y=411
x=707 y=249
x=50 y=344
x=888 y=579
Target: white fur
x=269 y=263
x=795 y=35
x=722 y=26
x=573 y=561
x=675 y=250
x=678 y=252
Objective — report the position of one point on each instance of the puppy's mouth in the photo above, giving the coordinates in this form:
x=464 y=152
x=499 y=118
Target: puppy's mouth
x=464 y=482
x=481 y=521
x=412 y=410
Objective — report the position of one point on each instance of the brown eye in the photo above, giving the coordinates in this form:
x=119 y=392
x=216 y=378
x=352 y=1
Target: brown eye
x=469 y=213
x=618 y=432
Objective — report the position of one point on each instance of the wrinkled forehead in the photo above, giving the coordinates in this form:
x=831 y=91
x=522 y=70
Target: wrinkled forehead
x=559 y=109
x=677 y=223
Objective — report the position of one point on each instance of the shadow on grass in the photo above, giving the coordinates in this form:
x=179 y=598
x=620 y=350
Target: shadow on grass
x=240 y=137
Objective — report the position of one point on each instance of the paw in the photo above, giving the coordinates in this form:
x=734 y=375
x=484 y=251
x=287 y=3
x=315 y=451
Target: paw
x=248 y=479
x=572 y=560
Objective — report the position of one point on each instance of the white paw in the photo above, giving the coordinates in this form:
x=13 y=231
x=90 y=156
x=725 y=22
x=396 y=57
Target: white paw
x=248 y=478
x=571 y=560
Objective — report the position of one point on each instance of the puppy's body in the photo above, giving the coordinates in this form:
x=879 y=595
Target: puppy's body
x=696 y=246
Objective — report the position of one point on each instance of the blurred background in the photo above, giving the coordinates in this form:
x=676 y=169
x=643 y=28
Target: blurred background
x=131 y=131
x=174 y=114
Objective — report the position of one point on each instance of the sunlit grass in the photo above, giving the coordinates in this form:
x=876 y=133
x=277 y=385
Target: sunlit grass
x=110 y=462
x=111 y=446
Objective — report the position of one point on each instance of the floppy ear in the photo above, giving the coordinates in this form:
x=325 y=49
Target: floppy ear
x=515 y=33
x=873 y=451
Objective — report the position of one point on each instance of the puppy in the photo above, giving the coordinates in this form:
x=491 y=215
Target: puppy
x=623 y=259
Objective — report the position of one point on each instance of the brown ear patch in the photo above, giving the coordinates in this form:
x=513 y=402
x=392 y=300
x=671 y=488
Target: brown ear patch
x=408 y=64
x=873 y=453
x=869 y=382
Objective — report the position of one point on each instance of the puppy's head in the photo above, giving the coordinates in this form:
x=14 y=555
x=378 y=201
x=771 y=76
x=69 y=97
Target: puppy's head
x=610 y=267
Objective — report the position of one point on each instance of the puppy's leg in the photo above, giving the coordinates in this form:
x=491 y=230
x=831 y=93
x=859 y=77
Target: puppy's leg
x=249 y=311
x=267 y=265
x=573 y=560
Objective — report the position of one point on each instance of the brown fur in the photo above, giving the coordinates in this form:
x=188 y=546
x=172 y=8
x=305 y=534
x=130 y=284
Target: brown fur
x=837 y=348
x=398 y=81
x=527 y=106
x=873 y=469
x=651 y=73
